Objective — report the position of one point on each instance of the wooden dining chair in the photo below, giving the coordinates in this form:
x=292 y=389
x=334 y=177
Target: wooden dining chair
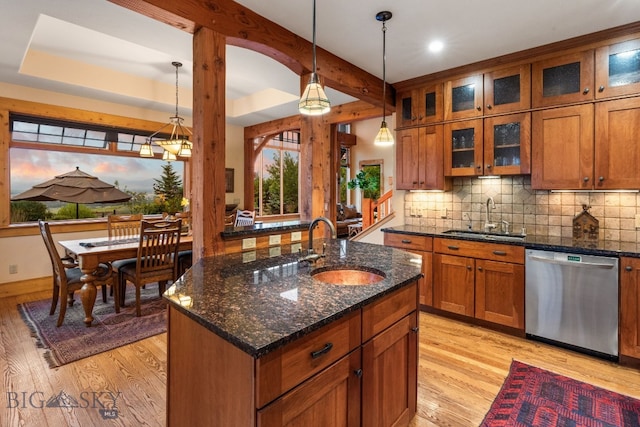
x=230 y=219
x=123 y=226
x=67 y=277
x=244 y=218
x=157 y=259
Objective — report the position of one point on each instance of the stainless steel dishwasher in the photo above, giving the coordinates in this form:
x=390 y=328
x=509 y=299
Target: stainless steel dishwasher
x=572 y=300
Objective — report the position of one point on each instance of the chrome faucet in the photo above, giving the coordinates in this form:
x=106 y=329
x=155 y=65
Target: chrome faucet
x=488 y=225
x=311 y=256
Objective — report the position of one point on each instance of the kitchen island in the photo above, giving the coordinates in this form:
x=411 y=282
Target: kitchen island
x=265 y=343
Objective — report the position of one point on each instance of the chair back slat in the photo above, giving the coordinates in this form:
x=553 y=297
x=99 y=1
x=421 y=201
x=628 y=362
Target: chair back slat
x=123 y=226
x=158 y=248
x=244 y=218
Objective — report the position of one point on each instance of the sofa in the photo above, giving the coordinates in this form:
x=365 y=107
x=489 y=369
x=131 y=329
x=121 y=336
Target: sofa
x=345 y=216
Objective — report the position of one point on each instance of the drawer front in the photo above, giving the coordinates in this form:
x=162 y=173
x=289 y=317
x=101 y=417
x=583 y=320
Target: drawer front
x=408 y=241
x=481 y=250
x=281 y=370
x=379 y=315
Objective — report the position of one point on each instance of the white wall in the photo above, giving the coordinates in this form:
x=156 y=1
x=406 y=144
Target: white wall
x=365 y=132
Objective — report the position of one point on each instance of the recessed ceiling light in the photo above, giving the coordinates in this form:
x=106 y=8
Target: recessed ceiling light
x=436 y=46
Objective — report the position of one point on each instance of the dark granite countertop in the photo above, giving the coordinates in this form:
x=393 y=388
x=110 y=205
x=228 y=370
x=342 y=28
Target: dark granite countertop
x=259 y=303
x=263 y=228
x=599 y=247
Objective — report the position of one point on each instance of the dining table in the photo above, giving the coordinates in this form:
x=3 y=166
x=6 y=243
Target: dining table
x=91 y=252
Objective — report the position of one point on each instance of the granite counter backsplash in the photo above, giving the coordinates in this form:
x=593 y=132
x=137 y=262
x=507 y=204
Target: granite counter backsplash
x=260 y=303
x=599 y=247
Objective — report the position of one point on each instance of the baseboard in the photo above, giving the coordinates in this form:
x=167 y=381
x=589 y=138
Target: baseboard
x=12 y=289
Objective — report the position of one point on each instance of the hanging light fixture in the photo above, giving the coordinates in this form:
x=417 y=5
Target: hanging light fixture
x=178 y=144
x=384 y=137
x=314 y=101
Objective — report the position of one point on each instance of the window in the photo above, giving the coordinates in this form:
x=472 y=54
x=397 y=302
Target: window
x=43 y=148
x=276 y=175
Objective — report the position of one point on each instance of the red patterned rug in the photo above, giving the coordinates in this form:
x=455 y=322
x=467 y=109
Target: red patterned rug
x=74 y=341
x=532 y=396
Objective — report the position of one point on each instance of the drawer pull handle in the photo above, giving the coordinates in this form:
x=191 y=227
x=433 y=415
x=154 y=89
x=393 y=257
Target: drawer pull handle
x=453 y=248
x=326 y=349
x=406 y=241
x=358 y=373
x=628 y=268
x=499 y=253
x=415 y=330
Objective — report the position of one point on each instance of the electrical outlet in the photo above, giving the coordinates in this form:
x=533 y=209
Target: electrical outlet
x=296 y=236
x=249 y=243
x=13 y=268
x=274 y=239
x=443 y=213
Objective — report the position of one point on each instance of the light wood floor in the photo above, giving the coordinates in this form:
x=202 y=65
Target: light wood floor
x=461 y=370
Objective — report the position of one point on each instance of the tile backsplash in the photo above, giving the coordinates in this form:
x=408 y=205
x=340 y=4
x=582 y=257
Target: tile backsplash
x=540 y=212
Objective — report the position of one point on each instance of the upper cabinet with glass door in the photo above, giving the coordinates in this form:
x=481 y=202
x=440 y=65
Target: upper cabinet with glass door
x=463 y=98
x=420 y=106
x=507 y=90
x=563 y=80
x=618 y=69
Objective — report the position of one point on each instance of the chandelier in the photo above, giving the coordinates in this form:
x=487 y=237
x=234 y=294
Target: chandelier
x=178 y=144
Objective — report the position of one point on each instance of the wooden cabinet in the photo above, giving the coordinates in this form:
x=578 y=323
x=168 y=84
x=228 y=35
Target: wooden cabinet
x=481 y=280
x=563 y=79
x=567 y=155
x=420 y=159
x=420 y=106
x=463 y=147
x=507 y=144
x=463 y=98
x=507 y=90
x=630 y=307
x=562 y=148
x=618 y=69
x=360 y=368
x=422 y=246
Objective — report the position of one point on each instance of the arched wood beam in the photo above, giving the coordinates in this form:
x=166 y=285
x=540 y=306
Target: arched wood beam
x=245 y=28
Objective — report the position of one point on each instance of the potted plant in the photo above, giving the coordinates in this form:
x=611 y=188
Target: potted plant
x=368 y=183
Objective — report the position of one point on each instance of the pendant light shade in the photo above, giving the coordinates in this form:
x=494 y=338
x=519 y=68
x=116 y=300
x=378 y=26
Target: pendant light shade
x=314 y=101
x=178 y=144
x=384 y=137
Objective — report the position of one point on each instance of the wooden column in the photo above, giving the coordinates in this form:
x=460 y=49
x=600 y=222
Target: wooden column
x=208 y=158
x=249 y=160
x=316 y=156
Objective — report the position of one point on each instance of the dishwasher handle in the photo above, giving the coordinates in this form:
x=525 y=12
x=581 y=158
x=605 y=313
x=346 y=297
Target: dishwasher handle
x=571 y=263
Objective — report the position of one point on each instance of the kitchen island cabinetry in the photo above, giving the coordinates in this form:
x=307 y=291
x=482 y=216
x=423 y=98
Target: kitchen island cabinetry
x=481 y=280
x=630 y=307
x=236 y=359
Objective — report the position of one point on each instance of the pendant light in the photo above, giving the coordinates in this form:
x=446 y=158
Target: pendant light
x=178 y=144
x=314 y=101
x=384 y=137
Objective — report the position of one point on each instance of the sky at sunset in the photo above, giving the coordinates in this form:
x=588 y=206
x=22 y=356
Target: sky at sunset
x=30 y=167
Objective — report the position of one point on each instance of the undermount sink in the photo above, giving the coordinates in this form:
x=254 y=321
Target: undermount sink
x=347 y=276
x=486 y=236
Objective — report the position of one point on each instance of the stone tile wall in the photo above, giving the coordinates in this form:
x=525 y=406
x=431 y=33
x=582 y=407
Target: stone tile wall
x=540 y=211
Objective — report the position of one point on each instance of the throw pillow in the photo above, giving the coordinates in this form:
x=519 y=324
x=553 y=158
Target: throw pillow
x=350 y=212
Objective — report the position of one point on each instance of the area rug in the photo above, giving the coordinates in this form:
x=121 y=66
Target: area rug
x=532 y=396
x=74 y=341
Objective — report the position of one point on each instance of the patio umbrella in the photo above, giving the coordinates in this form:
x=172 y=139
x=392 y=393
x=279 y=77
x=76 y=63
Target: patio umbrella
x=74 y=187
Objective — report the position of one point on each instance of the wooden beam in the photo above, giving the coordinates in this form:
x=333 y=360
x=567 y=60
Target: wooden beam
x=245 y=28
x=208 y=159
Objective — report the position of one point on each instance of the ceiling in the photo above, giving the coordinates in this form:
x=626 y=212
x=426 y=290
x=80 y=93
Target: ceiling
x=98 y=50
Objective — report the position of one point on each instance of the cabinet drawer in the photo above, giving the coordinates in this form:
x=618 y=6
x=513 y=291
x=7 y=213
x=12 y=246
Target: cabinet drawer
x=408 y=241
x=383 y=313
x=491 y=251
x=283 y=369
